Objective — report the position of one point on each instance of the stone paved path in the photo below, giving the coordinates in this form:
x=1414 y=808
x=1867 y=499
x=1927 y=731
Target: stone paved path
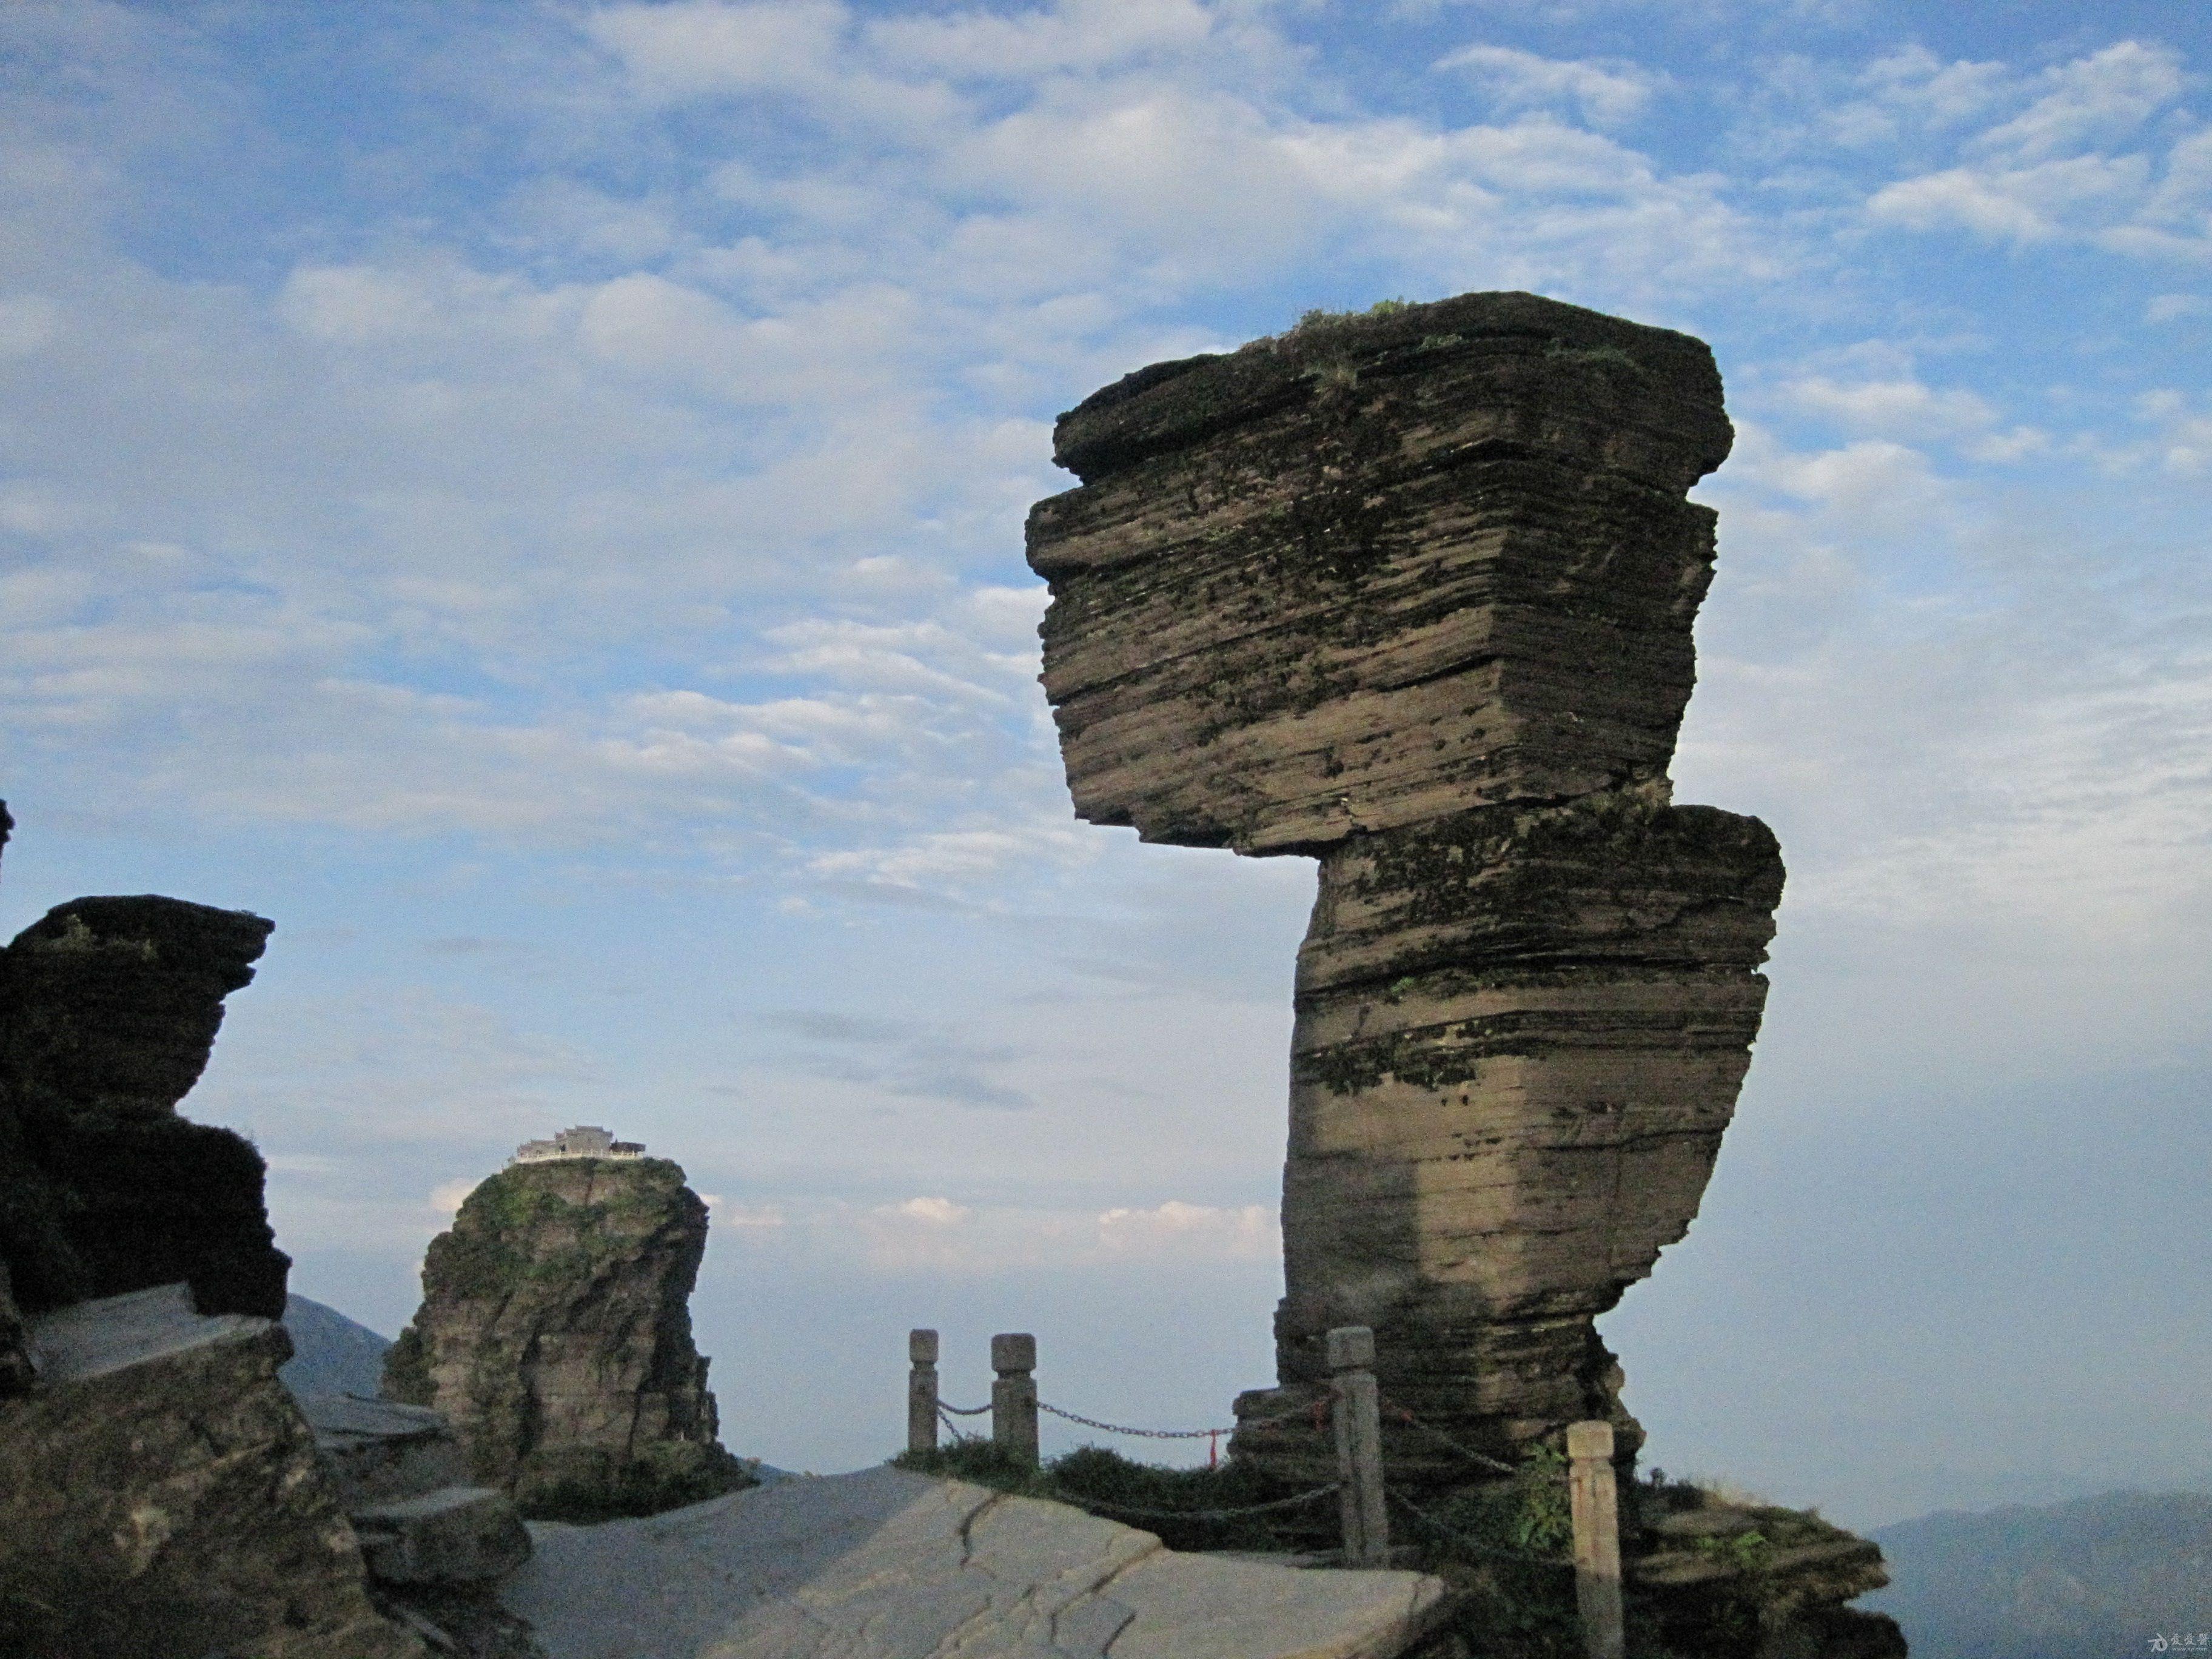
x=885 y=1565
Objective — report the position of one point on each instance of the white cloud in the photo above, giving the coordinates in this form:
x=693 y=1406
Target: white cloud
x=2104 y=97
x=28 y=322
x=2081 y=160
x=930 y=1211
x=2174 y=308
x=1247 y=1233
x=1073 y=34
x=1904 y=406
x=745 y=1217
x=1606 y=93
x=448 y=1196
x=2025 y=204
x=708 y=50
x=1912 y=91
x=694 y=47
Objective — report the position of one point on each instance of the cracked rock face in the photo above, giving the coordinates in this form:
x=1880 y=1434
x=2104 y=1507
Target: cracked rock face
x=555 y=1334
x=1413 y=593
x=109 y=1009
x=882 y=1564
x=159 y=1496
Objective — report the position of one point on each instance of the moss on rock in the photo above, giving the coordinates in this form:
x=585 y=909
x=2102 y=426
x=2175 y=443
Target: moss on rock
x=556 y=1332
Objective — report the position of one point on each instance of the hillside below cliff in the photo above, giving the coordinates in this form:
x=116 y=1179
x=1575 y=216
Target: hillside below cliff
x=2112 y=1574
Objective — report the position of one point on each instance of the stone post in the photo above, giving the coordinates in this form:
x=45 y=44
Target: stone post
x=1014 y=1395
x=1358 y=1447
x=921 y=1391
x=1596 y=1506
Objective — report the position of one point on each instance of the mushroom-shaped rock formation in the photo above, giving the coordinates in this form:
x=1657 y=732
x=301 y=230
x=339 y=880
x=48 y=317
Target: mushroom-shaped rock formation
x=1412 y=592
x=108 y=1010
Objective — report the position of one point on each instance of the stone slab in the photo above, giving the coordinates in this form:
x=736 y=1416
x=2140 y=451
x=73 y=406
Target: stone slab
x=91 y=1339
x=380 y=1450
x=455 y=1535
x=160 y=1497
x=886 y=1565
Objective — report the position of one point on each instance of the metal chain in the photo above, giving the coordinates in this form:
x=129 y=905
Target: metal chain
x=1468 y=1452
x=1238 y=1427
x=1202 y=1514
x=1453 y=1535
x=963 y=1411
x=1123 y=1428
x=953 y=1428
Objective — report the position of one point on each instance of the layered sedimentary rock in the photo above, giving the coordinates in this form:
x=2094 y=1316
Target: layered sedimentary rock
x=1723 y=1577
x=159 y=1496
x=555 y=1333
x=108 y=1010
x=159 y=1490
x=1413 y=592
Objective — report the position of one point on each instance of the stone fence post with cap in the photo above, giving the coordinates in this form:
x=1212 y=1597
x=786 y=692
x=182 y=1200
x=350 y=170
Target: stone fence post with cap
x=1014 y=1394
x=1359 y=1414
x=921 y=1391
x=1595 y=1500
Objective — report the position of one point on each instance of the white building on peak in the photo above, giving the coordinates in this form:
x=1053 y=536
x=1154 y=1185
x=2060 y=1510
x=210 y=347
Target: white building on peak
x=584 y=1140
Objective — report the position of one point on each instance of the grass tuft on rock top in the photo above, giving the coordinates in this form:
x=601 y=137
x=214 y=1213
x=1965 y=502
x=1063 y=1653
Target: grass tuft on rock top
x=1105 y=1483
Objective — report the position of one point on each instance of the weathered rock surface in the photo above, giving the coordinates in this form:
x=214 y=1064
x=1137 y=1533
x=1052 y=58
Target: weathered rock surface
x=1414 y=592
x=436 y=1546
x=159 y=1496
x=886 y=1565
x=1520 y=1036
x=380 y=1449
x=1724 y=1578
x=108 y=1009
x=1378 y=571
x=402 y=1479
x=555 y=1334
x=453 y=1535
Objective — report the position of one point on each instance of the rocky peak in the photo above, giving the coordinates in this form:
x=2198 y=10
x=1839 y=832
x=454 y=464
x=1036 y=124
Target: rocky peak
x=109 y=1009
x=114 y=1003
x=1411 y=592
x=556 y=1332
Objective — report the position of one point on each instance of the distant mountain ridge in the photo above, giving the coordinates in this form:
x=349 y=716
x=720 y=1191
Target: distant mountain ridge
x=2095 y=1578
x=331 y=1353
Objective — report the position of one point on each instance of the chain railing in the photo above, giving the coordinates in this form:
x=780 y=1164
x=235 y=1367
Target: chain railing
x=1236 y=1514
x=1399 y=1414
x=1354 y=1407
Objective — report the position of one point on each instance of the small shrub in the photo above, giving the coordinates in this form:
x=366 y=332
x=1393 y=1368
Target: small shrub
x=407 y=1370
x=667 y=1476
x=1317 y=319
x=1749 y=1552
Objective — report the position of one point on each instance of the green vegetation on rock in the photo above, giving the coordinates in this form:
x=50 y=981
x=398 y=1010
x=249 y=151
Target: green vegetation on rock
x=555 y=1333
x=664 y=1476
x=1169 y=1502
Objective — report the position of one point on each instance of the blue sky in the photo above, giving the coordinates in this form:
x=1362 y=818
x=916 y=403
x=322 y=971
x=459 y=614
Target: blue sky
x=529 y=497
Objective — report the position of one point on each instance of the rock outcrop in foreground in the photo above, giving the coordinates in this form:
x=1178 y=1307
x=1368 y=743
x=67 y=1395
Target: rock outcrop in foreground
x=885 y=1565
x=555 y=1334
x=160 y=1492
x=159 y=1496
x=108 y=1010
x=1413 y=594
